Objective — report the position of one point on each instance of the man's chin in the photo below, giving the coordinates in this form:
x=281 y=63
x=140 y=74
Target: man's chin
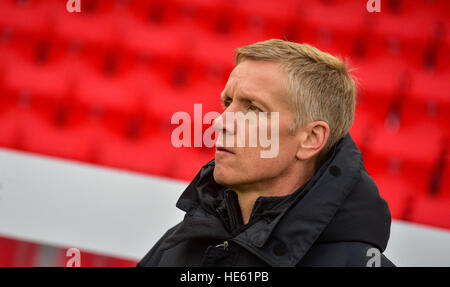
x=221 y=176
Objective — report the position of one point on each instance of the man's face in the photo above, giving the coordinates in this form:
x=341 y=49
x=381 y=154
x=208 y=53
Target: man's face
x=254 y=86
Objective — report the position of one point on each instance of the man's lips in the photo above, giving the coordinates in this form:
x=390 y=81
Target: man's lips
x=224 y=150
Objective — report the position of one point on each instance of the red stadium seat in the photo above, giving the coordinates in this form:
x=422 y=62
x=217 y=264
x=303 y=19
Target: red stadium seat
x=15 y=253
x=325 y=25
x=444 y=190
x=444 y=180
x=397 y=193
x=68 y=133
x=164 y=43
x=8 y=249
x=42 y=81
x=183 y=100
x=91 y=259
x=265 y=17
x=27 y=19
x=87 y=259
x=69 y=141
x=417 y=143
x=426 y=87
x=119 y=262
x=407 y=173
x=13 y=119
x=431 y=211
x=414 y=26
x=118 y=94
x=435 y=7
x=156 y=11
x=369 y=114
x=422 y=112
x=150 y=153
x=218 y=50
x=411 y=33
x=215 y=16
x=95 y=31
x=380 y=86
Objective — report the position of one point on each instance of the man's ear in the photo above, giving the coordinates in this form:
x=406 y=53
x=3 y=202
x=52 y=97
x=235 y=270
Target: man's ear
x=312 y=139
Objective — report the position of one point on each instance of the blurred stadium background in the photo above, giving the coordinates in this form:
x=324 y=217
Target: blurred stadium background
x=100 y=87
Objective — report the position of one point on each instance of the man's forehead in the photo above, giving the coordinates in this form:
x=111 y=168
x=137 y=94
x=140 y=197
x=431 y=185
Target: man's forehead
x=257 y=78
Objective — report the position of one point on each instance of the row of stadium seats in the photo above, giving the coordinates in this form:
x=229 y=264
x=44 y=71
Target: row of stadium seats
x=136 y=144
x=247 y=15
x=76 y=80
x=417 y=36
x=27 y=254
x=177 y=44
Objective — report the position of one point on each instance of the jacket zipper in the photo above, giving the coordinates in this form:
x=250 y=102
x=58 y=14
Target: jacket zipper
x=224 y=245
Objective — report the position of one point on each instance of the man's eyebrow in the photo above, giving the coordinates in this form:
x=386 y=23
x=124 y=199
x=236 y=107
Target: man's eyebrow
x=247 y=96
x=252 y=98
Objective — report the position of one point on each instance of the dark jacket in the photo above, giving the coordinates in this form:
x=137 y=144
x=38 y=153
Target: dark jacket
x=332 y=220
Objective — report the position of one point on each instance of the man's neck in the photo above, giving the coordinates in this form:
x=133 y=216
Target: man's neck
x=279 y=186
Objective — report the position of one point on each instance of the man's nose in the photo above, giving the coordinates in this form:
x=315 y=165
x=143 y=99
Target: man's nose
x=224 y=123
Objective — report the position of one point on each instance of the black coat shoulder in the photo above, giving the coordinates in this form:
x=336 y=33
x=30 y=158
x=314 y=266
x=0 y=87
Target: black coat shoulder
x=152 y=258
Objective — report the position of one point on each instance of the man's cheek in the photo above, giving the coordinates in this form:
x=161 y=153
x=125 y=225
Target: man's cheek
x=269 y=135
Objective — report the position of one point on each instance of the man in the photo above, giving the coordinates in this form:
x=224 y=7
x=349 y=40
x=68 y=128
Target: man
x=313 y=204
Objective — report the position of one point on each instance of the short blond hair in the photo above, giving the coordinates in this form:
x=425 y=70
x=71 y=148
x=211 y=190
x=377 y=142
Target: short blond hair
x=321 y=85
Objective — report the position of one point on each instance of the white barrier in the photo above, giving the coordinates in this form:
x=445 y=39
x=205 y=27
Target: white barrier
x=69 y=204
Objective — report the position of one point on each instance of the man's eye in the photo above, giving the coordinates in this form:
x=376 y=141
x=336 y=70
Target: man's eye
x=253 y=108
